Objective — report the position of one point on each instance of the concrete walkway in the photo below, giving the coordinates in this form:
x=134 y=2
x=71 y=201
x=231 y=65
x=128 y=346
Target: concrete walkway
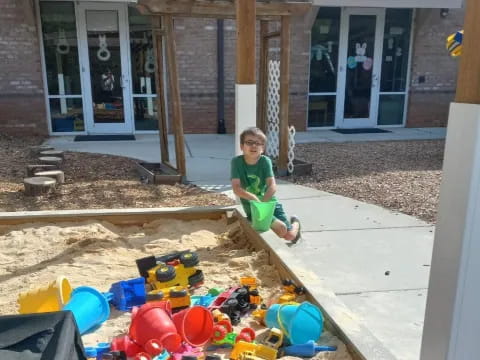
x=375 y=262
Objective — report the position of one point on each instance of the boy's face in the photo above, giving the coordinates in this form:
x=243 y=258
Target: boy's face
x=253 y=146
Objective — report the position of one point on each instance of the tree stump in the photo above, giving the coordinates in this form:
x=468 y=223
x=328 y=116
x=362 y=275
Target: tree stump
x=32 y=169
x=35 y=186
x=51 y=160
x=56 y=153
x=35 y=150
x=58 y=175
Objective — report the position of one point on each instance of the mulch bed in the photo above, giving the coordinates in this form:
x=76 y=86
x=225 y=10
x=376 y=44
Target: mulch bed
x=91 y=181
x=399 y=175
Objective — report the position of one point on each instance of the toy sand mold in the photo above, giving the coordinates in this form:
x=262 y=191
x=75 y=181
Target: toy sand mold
x=338 y=318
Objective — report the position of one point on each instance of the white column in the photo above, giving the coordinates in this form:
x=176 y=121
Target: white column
x=245 y=110
x=452 y=321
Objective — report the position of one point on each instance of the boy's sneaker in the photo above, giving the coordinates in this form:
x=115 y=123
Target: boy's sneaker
x=294 y=219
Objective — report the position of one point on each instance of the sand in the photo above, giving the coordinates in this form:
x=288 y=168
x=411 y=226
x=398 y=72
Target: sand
x=98 y=254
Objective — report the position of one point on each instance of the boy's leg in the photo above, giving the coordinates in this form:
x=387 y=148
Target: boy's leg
x=282 y=227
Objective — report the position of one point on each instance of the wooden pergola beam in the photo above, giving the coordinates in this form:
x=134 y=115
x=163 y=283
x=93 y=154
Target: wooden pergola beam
x=175 y=95
x=158 y=34
x=219 y=9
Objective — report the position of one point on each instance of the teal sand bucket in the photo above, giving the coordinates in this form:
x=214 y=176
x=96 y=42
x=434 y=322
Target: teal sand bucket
x=300 y=323
x=89 y=308
x=262 y=214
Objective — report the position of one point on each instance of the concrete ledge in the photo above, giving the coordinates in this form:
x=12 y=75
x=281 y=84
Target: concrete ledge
x=115 y=216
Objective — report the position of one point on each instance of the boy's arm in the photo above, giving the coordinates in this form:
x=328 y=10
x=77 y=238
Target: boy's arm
x=242 y=193
x=271 y=188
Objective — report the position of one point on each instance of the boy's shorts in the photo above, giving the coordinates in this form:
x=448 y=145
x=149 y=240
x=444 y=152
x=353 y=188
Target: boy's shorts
x=278 y=214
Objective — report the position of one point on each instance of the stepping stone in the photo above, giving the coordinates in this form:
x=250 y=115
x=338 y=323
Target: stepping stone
x=32 y=169
x=54 y=174
x=52 y=160
x=56 y=153
x=35 y=186
x=35 y=150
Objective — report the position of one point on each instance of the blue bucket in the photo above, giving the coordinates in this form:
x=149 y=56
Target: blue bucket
x=300 y=323
x=89 y=308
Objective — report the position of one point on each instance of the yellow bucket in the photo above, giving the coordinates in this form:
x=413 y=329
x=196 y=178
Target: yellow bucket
x=51 y=297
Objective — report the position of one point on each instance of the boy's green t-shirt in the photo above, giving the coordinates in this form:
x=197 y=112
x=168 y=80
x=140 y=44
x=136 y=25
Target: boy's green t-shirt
x=252 y=177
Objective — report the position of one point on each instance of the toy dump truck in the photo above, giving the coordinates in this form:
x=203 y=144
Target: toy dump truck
x=175 y=269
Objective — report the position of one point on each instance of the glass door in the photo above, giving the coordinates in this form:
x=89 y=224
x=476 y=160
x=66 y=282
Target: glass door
x=104 y=64
x=360 y=65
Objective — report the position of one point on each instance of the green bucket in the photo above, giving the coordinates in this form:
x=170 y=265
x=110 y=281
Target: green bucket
x=262 y=214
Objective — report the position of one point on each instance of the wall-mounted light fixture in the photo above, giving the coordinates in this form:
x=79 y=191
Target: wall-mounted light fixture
x=443 y=13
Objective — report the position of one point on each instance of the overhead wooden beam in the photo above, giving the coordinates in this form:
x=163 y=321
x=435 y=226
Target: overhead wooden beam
x=284 y=97
x=246 y=27
x=263 y=78
x=219 y=9
x=468 y=82
x=175 y=96
x=272 y=35
x=161 y=111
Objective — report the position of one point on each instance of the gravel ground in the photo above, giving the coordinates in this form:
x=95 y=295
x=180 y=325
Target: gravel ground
x=399 y=175
x=91 y=181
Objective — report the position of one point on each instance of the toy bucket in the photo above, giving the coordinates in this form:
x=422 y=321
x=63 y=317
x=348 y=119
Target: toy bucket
x=262 y=214
x=299 y=322
x=89 y=308
x=152 y=321
x=195 y=325
x=51 y=297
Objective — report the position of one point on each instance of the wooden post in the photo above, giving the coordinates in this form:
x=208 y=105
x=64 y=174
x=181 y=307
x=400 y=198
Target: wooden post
x=284 y=98
x=263 y=78
x=468 y=81
x=245 y=86
x=246 y=26
x=158 y=34
x=175 y=95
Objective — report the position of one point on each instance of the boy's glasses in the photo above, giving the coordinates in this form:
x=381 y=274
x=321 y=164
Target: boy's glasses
x=251 y=143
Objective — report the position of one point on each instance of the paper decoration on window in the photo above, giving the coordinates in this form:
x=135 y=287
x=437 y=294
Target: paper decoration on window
x=62 y=44
x=390 y=43
x=351 y=62
x=388 y=58
x=330 y=46
x=108 y=81
x=395 y=30
x=360 y=51
x=367 y=64
x=399 y=52
x=103 y=54
x=149 y=61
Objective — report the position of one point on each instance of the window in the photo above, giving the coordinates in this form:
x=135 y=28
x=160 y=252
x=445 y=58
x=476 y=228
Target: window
x=61 y=61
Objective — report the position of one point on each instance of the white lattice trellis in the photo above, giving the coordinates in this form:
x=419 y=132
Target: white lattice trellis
x=273 y=116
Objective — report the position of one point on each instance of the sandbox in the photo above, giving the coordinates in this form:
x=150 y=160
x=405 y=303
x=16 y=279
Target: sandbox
x=98 y=248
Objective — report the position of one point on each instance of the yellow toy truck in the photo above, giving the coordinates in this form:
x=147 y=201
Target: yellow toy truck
x=175 y=269
x=178 y=296
x=290 y=292
x=274 y=338
x=250 y=351
x=251 y=284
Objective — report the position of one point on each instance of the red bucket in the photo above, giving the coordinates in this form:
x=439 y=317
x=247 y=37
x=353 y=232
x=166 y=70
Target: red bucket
x=152 y=321
x=195 y=325
x=124 y=343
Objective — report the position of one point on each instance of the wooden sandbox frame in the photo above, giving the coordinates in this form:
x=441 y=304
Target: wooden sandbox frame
x=338 y=319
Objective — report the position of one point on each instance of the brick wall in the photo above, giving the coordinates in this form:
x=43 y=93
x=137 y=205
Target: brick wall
x=22 y=104
x=197 y=65
x=434 y=72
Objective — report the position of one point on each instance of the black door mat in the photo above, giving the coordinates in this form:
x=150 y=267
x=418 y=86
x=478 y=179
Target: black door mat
x=103 y=137
x=361 y=131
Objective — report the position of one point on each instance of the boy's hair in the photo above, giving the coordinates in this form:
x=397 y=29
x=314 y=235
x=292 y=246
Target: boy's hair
x=252 y=131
